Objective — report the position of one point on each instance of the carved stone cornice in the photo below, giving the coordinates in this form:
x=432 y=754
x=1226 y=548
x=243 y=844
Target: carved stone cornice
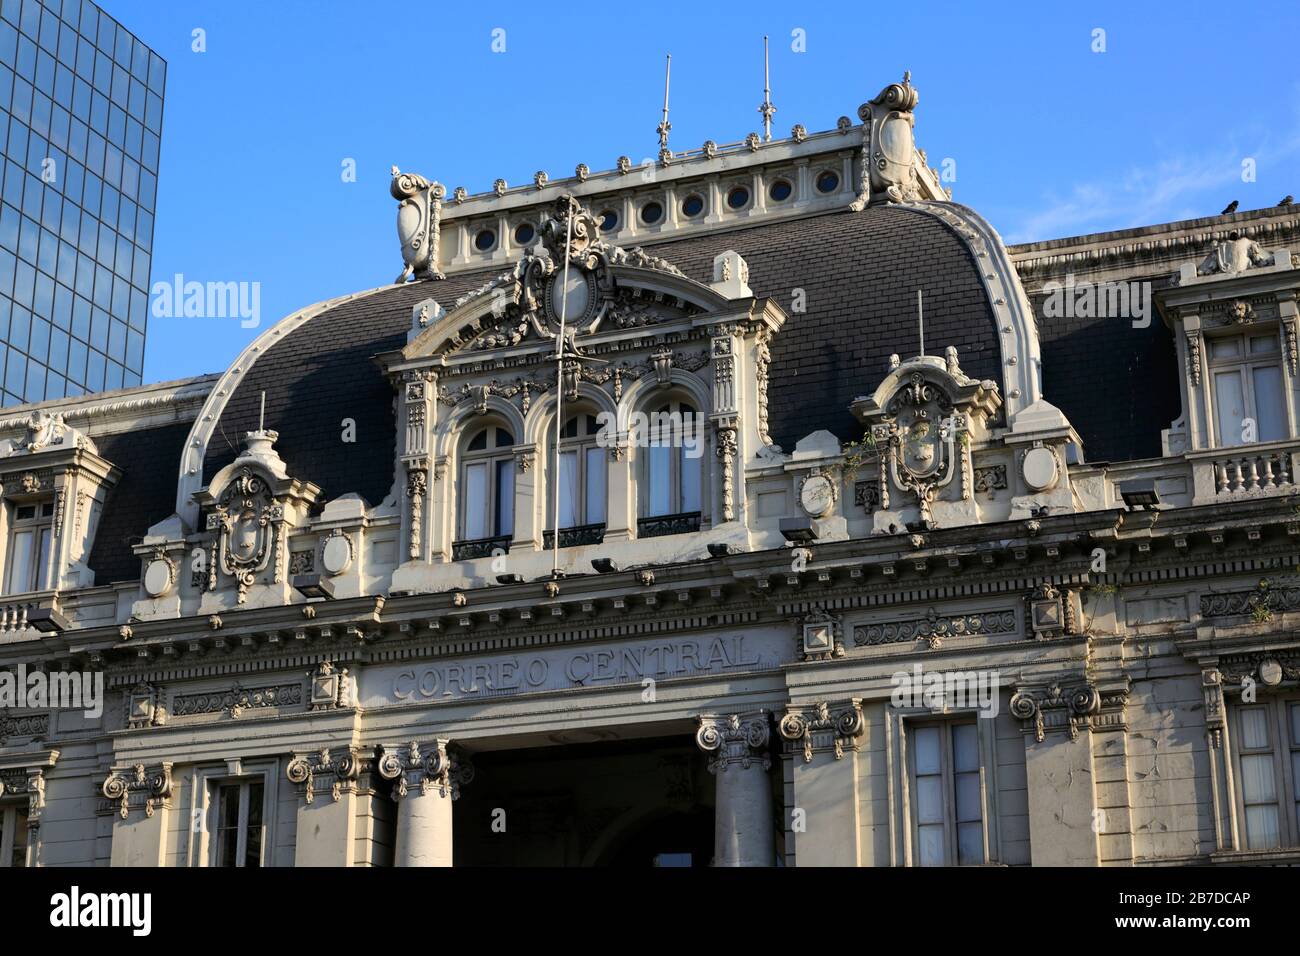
x=138 y=787
x=934 y=628
x=324 y=770
x=234 y=701
x=431 y=767
x=23 y=725
x=735 y=739
x=29 y=782
x=823 y=728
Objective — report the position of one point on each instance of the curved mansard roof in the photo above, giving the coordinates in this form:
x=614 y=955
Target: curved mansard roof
x=859 y=272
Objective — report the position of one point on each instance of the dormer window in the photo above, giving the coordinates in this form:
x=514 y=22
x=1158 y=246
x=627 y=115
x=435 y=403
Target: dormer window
x=487 y=483
x=1249 y=398
x=27 y=558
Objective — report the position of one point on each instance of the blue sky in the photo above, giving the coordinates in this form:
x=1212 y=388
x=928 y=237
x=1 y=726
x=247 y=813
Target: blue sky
x=1050 y=139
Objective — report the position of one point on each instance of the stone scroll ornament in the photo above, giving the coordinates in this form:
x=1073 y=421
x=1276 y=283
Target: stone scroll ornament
x=888 y=146
x=419 y=219
x=248 y=521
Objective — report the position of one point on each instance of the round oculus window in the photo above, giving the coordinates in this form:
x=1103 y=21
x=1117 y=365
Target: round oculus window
x=828 y=181
x=608 y=220
x=524 y=233
x=485 y=240
x=780 y=190
x=651 y=213
x=692 y=206
x=738 y=198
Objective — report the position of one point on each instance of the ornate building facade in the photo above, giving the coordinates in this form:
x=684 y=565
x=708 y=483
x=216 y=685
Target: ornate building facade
x=642 y=521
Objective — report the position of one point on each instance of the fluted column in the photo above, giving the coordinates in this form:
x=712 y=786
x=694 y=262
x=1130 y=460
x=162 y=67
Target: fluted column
x=737 y=745
x=426 y=779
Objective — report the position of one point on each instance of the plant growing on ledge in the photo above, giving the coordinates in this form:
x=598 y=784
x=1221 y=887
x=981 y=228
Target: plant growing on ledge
x=1260 y=612
x=856 y=454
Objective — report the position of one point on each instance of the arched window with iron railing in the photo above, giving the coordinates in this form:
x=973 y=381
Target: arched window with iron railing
x=583 y=485
x=486 y=516
x=671 y=476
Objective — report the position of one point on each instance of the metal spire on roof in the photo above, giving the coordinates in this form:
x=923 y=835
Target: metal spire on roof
x=767 y=109
x=664 y=125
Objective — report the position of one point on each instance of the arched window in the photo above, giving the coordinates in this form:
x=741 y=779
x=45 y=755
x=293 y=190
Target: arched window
x=672 y=476
x=487 y=494
x=583 y=469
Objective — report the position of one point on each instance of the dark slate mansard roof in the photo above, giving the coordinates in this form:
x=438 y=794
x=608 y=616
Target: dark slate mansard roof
x=859 y=273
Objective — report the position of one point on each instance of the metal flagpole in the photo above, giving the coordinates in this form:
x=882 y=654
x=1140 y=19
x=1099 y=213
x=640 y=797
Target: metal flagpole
x=920 y=320
x=559 y=388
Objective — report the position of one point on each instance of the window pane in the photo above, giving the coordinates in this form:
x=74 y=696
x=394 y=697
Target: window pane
x=1269 y=404
x=1225 y=348
x=228 y=809
x=476 y=501
x=927 y=750
x=930 y=845
x=1263 y=343
x=505 y=521
x=1229 y=406
x=970 y=843
x=967 y=786
x=965 y=748
x=1262 y=828
x=39 y=572
x=1295 y=732
x=595 y=486
x=20 y=563
x=691 y=479
x=1254 y=728
x=929 y=799
x=19 y=855
x=253 y=845
x=568 y=488
x=660 y=500
x=1257 y=780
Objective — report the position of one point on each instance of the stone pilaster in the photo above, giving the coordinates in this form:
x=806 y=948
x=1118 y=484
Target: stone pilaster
x=821 y=743
x=139 y=839
x=1059 y=771
x=327 y=781
x=426 y=779
x=737 y=745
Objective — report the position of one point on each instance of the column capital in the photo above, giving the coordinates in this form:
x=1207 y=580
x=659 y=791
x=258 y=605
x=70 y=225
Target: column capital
x=1071 y=708
x=138 y=786
x=323 y=769
x=431 y=767
x=731 y=739
x=823 y=727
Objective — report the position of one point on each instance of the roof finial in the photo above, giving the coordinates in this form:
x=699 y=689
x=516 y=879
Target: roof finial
x=664 y=125
x=767 y=109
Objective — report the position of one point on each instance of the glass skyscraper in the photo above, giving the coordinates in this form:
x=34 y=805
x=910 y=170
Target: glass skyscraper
x=81 y=104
